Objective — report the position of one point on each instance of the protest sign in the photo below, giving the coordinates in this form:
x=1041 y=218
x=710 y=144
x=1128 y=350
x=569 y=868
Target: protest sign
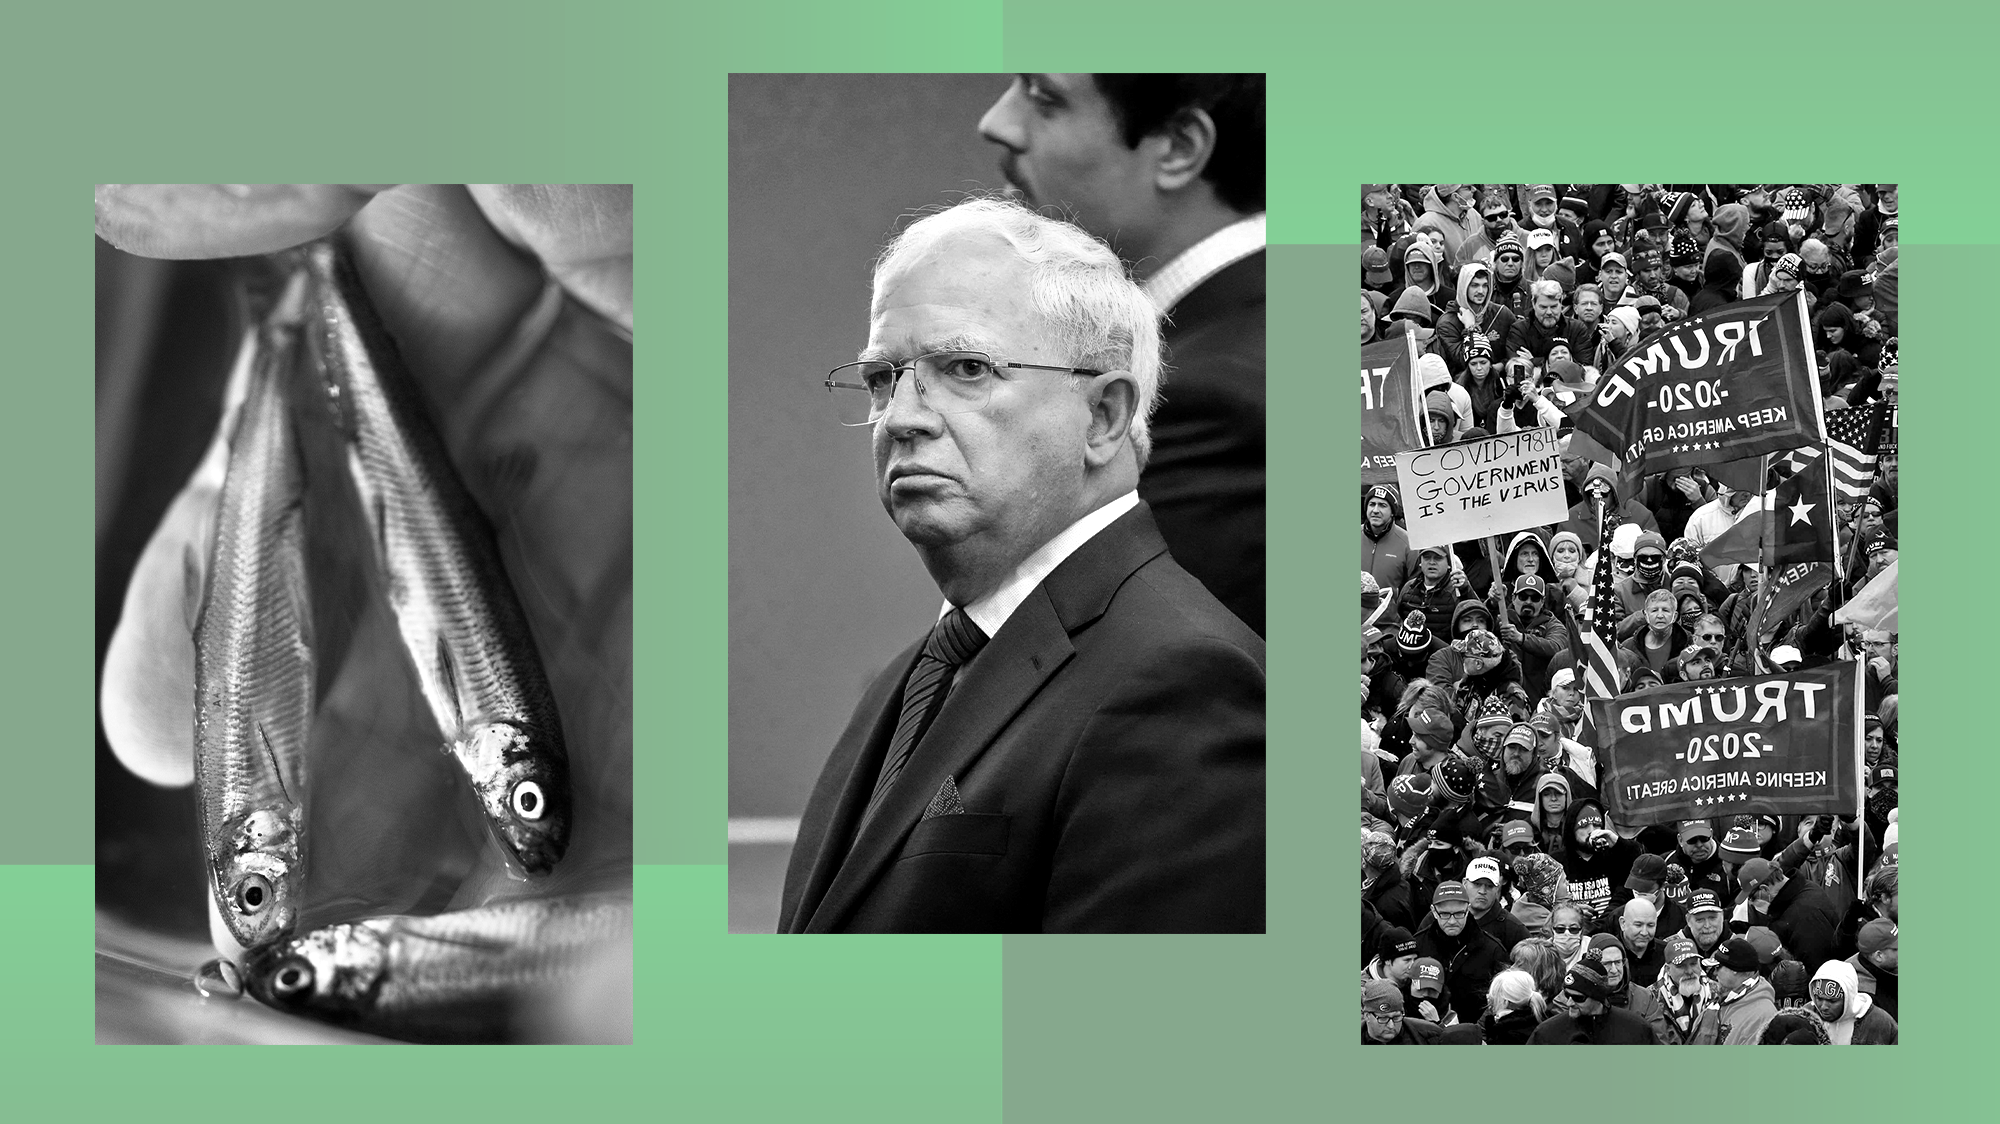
x=1784 y=744
x=1733 y=382
x=1486 y=486
x=1392 y=414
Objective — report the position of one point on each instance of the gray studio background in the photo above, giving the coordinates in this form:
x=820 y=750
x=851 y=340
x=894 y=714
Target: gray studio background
x=822 y=589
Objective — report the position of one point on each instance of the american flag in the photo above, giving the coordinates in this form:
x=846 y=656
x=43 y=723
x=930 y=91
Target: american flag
x=1600 y=620
x=1852 y=437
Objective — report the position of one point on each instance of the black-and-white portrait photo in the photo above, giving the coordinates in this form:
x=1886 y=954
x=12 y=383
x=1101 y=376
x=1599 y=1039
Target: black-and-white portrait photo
x=1629 y=698
x=996 y=410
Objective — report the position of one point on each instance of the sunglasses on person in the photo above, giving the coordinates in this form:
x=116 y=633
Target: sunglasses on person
x=1650 y=559
x=1529 y=597
x=1708 y=638
x=1565 y=928
x=1521 y=849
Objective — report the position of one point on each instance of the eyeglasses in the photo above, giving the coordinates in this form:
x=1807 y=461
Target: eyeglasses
x=1708 y=638
x=1390 y=1019
x=1509 y=257
x=1649 y=559
x=1453 y=915
x=1529 y=598
x=1566 y=928
x=949 y=382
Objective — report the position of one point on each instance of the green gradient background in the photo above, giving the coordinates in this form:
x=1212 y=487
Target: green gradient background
x=901 y=1028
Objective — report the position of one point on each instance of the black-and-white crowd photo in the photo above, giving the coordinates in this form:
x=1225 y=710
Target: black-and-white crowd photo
x=1629 y=722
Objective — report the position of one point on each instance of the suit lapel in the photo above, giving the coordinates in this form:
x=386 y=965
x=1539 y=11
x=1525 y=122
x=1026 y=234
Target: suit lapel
x=845 y=785
x=1013 y=666
x=1028 y=650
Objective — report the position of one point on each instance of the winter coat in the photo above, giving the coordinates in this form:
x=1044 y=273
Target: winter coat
x=1591 y=877
x=1863 y=1023
x=1387 y=558
x=1615 y=1027
x=1583 y=517
x=1511 y=1029
x=1879 y=983
x=1434 y=602
x=1683 y=1016
x=1641 y=1000
x=1543 y=637
x=1528 y=335
x=1436 y=292
x=1390 y=895
x=1740 y=1019
x=1805 y=921
x=1470 y=962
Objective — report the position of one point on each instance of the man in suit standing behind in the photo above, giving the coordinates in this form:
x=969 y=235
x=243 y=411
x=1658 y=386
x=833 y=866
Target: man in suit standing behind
x=1169 y=169
x=1078 y=745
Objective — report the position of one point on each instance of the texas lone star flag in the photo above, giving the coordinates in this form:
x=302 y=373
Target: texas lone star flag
x=1392 y=416
x=1785 y=744
x=1736 y=381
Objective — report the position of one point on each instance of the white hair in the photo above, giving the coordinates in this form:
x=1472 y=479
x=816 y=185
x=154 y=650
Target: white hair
x=1512 y=990
x=1546 y=288
x=1099 y=317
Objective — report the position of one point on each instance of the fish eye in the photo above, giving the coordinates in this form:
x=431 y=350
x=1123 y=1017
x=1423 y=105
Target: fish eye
x=252 y=895
x=294 y=975
x=529 y=803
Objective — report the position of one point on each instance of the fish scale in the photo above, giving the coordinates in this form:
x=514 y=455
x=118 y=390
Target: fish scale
x=253 y=655
x=456 y=611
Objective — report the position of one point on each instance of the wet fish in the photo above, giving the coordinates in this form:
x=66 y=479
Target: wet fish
x=253 y=653
x=455 y=609
x=452 y=977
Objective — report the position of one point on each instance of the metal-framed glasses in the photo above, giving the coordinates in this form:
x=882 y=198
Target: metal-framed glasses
x=949 y=382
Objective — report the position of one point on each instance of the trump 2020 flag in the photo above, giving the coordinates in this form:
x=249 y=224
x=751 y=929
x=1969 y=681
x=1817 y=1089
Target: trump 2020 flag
x=1733 y=382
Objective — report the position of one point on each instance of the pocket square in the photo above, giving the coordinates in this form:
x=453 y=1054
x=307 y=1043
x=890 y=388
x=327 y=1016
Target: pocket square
x=946 y=802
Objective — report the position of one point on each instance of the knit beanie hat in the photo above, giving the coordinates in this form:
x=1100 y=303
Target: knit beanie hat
x=1477 y=346
x=1682 y=248
x=1586 y=979
x=1674 y=205
x=1413 y=636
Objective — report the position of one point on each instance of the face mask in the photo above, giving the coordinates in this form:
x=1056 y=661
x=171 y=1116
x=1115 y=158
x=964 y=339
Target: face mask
x=1566 y=943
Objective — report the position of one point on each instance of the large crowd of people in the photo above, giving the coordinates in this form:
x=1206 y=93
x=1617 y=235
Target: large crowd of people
x=1501 y=901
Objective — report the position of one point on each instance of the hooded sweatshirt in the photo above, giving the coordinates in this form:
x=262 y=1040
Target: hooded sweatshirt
x=1433 y=374
x=1592 y=874
x=1861 y=1023
x=1462 y=316
x=1420 y=251
x=1455 y=222
x=1732 y=226
x=1583 y=517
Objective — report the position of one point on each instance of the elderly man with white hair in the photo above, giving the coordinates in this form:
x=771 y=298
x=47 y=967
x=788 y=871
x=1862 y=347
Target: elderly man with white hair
x=1078 y=744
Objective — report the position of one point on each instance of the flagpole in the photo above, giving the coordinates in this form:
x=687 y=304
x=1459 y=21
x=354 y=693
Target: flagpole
x=1861 y=763
x=1766 y=551
x=1493 y=560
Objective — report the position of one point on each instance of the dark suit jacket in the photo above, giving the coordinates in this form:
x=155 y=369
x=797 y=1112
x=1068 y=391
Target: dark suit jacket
x=1108 y=748
x=1205 y=480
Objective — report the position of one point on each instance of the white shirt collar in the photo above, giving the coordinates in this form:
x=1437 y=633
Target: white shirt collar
x=992 y=610
x=1204 y=260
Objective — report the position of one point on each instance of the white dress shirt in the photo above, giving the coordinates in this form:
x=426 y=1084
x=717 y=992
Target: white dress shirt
x=992 y=610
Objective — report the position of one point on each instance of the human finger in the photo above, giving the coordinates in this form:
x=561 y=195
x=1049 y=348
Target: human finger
x=581 y=232
x=223 y=220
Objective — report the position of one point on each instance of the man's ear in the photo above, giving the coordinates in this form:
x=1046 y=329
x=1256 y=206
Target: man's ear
x=1184 y=145
x=1113 y=399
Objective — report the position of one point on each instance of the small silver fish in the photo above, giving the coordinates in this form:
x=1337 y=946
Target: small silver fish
x=455 y=609
x=452 y=977
x=253 y=653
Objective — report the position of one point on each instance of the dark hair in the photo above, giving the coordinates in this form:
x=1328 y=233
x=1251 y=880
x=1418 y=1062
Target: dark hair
x=1144 y=103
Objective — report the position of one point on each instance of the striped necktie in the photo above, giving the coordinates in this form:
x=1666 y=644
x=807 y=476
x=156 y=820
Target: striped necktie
x=955 y=640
